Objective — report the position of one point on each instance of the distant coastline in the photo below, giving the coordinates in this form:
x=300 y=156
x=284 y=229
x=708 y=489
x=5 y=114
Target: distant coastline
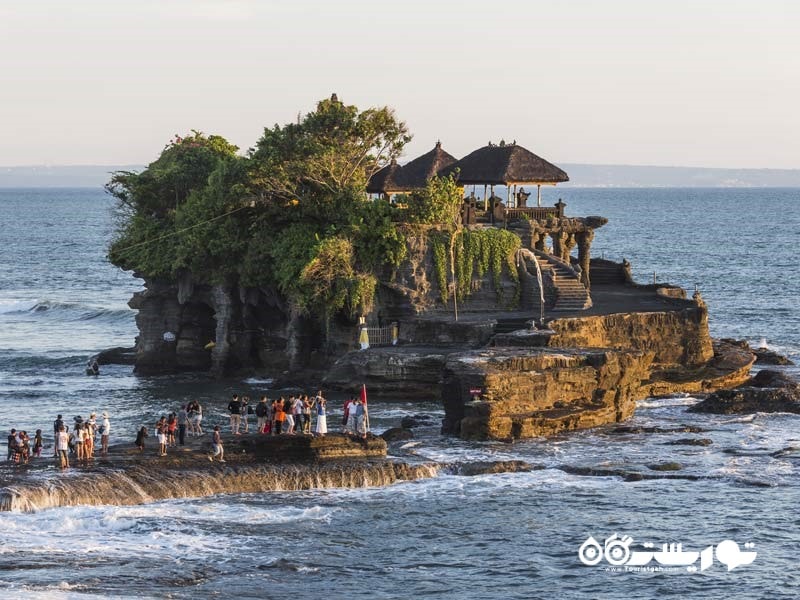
x=581 y=175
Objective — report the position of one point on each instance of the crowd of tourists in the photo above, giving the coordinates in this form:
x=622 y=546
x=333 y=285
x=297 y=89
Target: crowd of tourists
x=291 y=416
x=80 y=440
x=294 y=415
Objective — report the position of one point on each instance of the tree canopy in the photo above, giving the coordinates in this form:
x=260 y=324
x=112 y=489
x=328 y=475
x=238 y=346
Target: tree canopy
x=292 y=213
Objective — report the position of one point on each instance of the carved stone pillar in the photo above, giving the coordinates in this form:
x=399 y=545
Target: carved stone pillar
x=568 y=246
x=559 y=238
x=584 y=254
x=539 y=241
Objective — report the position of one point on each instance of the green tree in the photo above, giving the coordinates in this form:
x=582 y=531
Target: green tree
x=292 y=214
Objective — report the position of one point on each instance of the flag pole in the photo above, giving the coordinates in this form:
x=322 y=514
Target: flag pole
x=364 y=402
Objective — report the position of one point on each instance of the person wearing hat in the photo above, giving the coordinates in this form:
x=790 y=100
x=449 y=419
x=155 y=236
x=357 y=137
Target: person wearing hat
x=105 y=430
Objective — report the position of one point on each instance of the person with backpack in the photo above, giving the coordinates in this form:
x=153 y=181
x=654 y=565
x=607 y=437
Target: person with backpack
x=262 y=412
x=235 y=410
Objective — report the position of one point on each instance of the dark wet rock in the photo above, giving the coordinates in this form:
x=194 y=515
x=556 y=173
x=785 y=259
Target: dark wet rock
x=748 y=400
x=789 y=451
x=665 y=466
x=397 y=434
x=281 y=564
x=767 y=378
x=624 y=474
x=493 y=467
x=409 y=422
x=116 y=356
x=681 y=429
x=690 y=442
x=769 y=357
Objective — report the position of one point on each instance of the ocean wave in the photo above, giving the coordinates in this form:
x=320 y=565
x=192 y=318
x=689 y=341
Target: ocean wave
x=21 y=363
x=66 y=311
x=16 y=306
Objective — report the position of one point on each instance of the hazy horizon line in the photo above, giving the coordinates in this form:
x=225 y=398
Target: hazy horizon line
x=593 y=164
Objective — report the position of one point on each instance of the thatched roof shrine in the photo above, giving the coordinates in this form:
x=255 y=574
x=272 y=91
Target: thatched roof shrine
x=506 y=164
x=411 y=176
x=385 y=181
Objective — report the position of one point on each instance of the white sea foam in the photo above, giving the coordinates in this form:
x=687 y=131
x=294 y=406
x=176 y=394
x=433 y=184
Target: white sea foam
x=667 y=401
x=8 y=306
x=182 y=529
x=258 y=381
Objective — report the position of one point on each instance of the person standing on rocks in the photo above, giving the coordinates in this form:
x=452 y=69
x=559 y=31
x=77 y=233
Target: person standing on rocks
x=140 y=437
x=235 y=410
x=12 y=444
x=105 y=431
x=183 y=419
x=280 y=416
x=80 y=438
x=359 y=422
x=346 y=420
x=195 y=418
x=88 y=440
x=161 y=434
x=297 y=413
x=172 y=427
x=38 y=443
x=262 y=412
x=62 y=446
x=245 y=410
x=57 y=425
x=288 y=408
x=306 y=415
x=216 y=446
x=321 y=427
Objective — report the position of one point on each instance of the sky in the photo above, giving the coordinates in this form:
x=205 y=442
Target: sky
x=648 y=82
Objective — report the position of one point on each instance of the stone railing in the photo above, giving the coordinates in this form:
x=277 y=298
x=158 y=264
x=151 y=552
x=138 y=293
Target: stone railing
x=534 y=213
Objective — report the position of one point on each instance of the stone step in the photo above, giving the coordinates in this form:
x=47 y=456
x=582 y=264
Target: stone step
x=509 y=325
x=571 y=294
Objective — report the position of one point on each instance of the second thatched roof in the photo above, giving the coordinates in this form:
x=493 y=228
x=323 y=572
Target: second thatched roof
x=386 y=180
x=413 y=175
x=504 y=165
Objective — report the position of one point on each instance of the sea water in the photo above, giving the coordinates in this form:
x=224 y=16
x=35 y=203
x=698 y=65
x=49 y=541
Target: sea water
x=513 y=535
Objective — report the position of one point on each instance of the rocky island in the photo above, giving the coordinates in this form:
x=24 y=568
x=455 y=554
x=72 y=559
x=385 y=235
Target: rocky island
x=317 y=257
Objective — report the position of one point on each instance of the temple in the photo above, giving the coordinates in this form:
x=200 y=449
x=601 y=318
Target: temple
x=548 y=235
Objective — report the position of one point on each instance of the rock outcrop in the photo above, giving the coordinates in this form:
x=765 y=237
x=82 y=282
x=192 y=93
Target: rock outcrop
x=768 y=391
x=505 y=394
x=677 y=337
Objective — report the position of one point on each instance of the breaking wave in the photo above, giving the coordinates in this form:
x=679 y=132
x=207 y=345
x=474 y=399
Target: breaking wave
x=66 y=311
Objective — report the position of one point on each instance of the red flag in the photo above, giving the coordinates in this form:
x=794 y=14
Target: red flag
x=364 y=393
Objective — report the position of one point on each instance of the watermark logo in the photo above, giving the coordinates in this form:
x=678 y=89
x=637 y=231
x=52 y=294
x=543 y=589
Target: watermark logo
x=618 y=554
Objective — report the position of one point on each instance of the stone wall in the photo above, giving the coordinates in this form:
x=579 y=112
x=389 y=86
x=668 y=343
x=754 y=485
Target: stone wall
x=673 y=337
x=515 y=393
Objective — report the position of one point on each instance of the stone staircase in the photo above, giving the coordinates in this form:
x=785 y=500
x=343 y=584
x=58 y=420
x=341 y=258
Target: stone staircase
x=512 y=324
x=606 y=272
x=571 y=295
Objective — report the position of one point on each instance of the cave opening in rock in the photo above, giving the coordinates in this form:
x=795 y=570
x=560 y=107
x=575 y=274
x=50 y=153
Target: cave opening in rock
x=198 y=328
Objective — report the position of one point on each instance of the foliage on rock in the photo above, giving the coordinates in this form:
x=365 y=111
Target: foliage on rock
x=476 y=252
x=292 y=214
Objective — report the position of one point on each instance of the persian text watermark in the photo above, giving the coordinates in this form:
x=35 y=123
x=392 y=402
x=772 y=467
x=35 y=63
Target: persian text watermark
x=671 y=557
